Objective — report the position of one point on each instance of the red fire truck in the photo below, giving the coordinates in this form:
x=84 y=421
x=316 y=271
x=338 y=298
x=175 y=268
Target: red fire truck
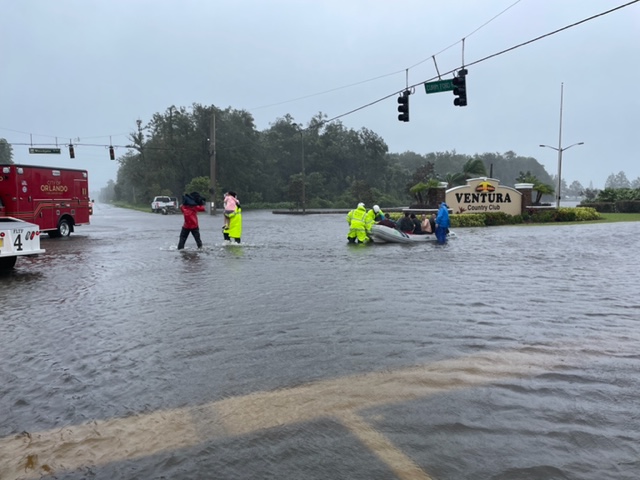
x=55 y=199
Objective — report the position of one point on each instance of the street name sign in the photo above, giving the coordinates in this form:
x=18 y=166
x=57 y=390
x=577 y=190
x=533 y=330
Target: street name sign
x=439 y=86
x=44 y=150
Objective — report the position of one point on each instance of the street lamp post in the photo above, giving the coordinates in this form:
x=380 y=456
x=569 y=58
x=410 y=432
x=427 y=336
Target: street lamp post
x=560 y=150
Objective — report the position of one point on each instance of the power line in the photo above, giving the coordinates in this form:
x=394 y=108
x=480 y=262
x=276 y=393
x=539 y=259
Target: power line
x=553 y=32
x=484 y=59
x=362 y=107
x=386 y=74
x=326 y=91
x=286 y=101
x=459 y=41
x=62 y=136
x=133 y=147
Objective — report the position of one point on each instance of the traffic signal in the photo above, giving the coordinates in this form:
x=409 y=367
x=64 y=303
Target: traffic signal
x=112 y=153
x=403 y=106
x=72 y=153
x=460 y=88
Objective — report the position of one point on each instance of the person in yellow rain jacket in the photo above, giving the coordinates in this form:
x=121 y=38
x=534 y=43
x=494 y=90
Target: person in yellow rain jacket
x=358 y=225
x=233 y=232
x=374 y=215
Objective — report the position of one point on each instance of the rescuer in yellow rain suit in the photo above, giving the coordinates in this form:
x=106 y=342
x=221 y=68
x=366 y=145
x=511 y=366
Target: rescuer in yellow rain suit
x=374 y=215
x=358 y=225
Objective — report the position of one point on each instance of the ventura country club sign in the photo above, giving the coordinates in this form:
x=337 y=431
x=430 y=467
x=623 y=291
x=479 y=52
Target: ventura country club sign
x=484 y=195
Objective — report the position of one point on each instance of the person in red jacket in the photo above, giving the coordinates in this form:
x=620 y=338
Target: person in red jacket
x=191 y=205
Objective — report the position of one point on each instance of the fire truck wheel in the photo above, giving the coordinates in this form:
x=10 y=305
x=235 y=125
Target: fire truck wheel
x=7 y=263
x=64 y=229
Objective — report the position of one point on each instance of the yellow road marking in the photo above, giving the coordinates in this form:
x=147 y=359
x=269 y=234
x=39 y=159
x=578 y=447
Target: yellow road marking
x=104 y=441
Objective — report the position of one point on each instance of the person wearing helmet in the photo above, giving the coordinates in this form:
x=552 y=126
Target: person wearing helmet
x=374 y=215
x=357 y=225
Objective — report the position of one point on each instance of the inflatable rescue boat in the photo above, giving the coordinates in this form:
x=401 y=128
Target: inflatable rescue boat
x=383 y=234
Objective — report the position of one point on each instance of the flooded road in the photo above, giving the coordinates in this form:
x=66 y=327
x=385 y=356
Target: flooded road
x=510 y=353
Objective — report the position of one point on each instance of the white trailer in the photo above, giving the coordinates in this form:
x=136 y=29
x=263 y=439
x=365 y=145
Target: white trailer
x=17 y=238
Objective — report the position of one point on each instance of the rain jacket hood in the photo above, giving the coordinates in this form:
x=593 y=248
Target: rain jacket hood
x=442 y=219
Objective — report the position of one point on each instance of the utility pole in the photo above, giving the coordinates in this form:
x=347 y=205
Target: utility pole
x=304 y=177
x=212 y=163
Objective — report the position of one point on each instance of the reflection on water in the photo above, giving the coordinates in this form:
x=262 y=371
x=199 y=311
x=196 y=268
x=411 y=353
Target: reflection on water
x=511 y=353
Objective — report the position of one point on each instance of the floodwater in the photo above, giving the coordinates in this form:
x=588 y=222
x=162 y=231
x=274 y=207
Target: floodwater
x=509 y=353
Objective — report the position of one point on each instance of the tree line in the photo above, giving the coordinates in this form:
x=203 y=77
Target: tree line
x=340 y=166
x=321 y=164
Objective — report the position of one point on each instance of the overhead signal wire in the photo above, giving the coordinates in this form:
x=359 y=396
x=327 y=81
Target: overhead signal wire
x=327 y=91
x=484 y=59
x=405 y=70
x=133 y=147
x=362 y=107
x=476 y=30
x=61 y=136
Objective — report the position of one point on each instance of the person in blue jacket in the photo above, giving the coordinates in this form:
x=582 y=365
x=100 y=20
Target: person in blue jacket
x=442 y=223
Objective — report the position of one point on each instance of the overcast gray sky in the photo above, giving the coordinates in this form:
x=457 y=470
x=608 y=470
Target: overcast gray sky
x=89 y=69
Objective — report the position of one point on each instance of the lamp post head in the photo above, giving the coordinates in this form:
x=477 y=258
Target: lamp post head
x=549 y=146
x=575 y=144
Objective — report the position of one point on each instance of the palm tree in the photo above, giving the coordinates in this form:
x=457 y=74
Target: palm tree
x=420 y=188
x=539 y=187
x=454 y=179
x=417 y=190
x=474 y=168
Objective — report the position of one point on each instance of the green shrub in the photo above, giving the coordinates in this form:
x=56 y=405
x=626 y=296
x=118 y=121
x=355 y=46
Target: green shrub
x=602 y=207
x=320 y=203
x=565 y=215
x=543 y=216
x=467 y=220
x=586 y=214
x=497 y=218
x=577 y=214
x=628 y=206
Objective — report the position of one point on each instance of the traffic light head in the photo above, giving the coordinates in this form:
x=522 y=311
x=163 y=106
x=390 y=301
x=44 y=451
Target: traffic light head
x=72 y=153
x=403 y=106
x=112 y=153
x=460 y=88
